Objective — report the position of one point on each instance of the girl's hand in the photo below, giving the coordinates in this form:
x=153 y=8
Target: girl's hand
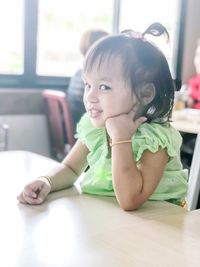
x=123 y=126
x=34 y=192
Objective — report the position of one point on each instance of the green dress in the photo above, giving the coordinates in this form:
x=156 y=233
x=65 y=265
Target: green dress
x=149 y=136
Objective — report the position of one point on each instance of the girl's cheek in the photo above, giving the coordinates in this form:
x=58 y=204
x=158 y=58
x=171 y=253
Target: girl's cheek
x=85 y=105
x=84 y=100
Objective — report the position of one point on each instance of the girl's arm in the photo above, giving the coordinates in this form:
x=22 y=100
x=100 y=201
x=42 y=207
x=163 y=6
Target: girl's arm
x=135 y=182
x=70 y=169
x=58 y=178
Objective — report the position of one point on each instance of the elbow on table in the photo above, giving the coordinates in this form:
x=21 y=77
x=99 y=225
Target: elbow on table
x=129 y=204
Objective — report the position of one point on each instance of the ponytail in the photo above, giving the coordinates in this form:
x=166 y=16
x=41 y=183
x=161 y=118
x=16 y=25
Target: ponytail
x=157 y=29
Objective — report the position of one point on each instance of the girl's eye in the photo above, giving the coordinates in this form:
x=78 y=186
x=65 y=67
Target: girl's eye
x=104 y=87
x=87 y=86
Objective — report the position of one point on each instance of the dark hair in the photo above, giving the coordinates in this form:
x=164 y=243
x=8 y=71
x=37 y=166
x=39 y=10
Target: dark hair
x=88 y=38
x=142 y=62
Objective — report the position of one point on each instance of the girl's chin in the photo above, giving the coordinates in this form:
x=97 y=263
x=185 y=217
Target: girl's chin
x=97 y=123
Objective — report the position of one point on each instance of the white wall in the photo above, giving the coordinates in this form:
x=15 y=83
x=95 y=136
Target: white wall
x=27 y=132
x=24 y=113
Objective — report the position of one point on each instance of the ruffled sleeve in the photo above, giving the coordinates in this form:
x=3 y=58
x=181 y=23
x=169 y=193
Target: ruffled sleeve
x=154 y=137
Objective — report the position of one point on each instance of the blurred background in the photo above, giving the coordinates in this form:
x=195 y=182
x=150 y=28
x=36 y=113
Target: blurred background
x=39 y=45
x=39 y=50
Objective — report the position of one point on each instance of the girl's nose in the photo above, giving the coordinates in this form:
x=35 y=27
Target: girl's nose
x=91 y=95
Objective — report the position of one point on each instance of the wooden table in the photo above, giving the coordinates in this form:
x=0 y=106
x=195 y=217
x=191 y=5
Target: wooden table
x=73 y=229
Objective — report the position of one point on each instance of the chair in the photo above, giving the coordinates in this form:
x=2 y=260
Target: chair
x=194 y=177
x=60 y=123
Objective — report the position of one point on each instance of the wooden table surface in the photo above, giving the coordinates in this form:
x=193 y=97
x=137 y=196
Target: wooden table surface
x=74 y=229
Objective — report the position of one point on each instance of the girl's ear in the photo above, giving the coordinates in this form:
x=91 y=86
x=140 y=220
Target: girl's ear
x=147 y=93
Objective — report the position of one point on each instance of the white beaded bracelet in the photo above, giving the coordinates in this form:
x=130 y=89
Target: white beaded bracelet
x=46 y=178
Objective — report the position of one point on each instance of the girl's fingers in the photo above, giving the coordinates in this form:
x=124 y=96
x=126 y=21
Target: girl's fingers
x=133 y=111
x=30 y=200
x=131 y=114
x=135 y=108
x=43 y=193
x=30 y=193
x=21 y=199
x=139 y=121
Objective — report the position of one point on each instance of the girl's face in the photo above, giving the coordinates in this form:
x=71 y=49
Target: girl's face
x=107 y=94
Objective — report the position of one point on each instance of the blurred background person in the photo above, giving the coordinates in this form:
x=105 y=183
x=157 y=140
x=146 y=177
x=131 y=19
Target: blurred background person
x=194 y=83
x=75 y=89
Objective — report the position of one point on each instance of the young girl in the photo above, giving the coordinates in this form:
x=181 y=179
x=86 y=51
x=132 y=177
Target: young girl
x=125 y=136
x=76 y=86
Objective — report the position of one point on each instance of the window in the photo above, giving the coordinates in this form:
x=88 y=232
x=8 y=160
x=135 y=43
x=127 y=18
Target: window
x=60 y=26
x=39 y=45
x=11 y=32
x=138 y=15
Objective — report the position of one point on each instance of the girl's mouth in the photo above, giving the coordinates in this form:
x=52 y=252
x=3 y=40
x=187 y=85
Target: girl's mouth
x=94 y=113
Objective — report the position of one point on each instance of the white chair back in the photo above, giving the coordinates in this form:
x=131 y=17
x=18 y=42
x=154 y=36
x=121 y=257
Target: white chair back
x=194 y=177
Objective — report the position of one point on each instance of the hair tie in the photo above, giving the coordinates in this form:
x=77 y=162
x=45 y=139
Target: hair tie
x=133 y=34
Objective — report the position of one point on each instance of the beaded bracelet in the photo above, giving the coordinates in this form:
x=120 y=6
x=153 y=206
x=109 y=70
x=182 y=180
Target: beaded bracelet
x=46 y=178
x=120 y=142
